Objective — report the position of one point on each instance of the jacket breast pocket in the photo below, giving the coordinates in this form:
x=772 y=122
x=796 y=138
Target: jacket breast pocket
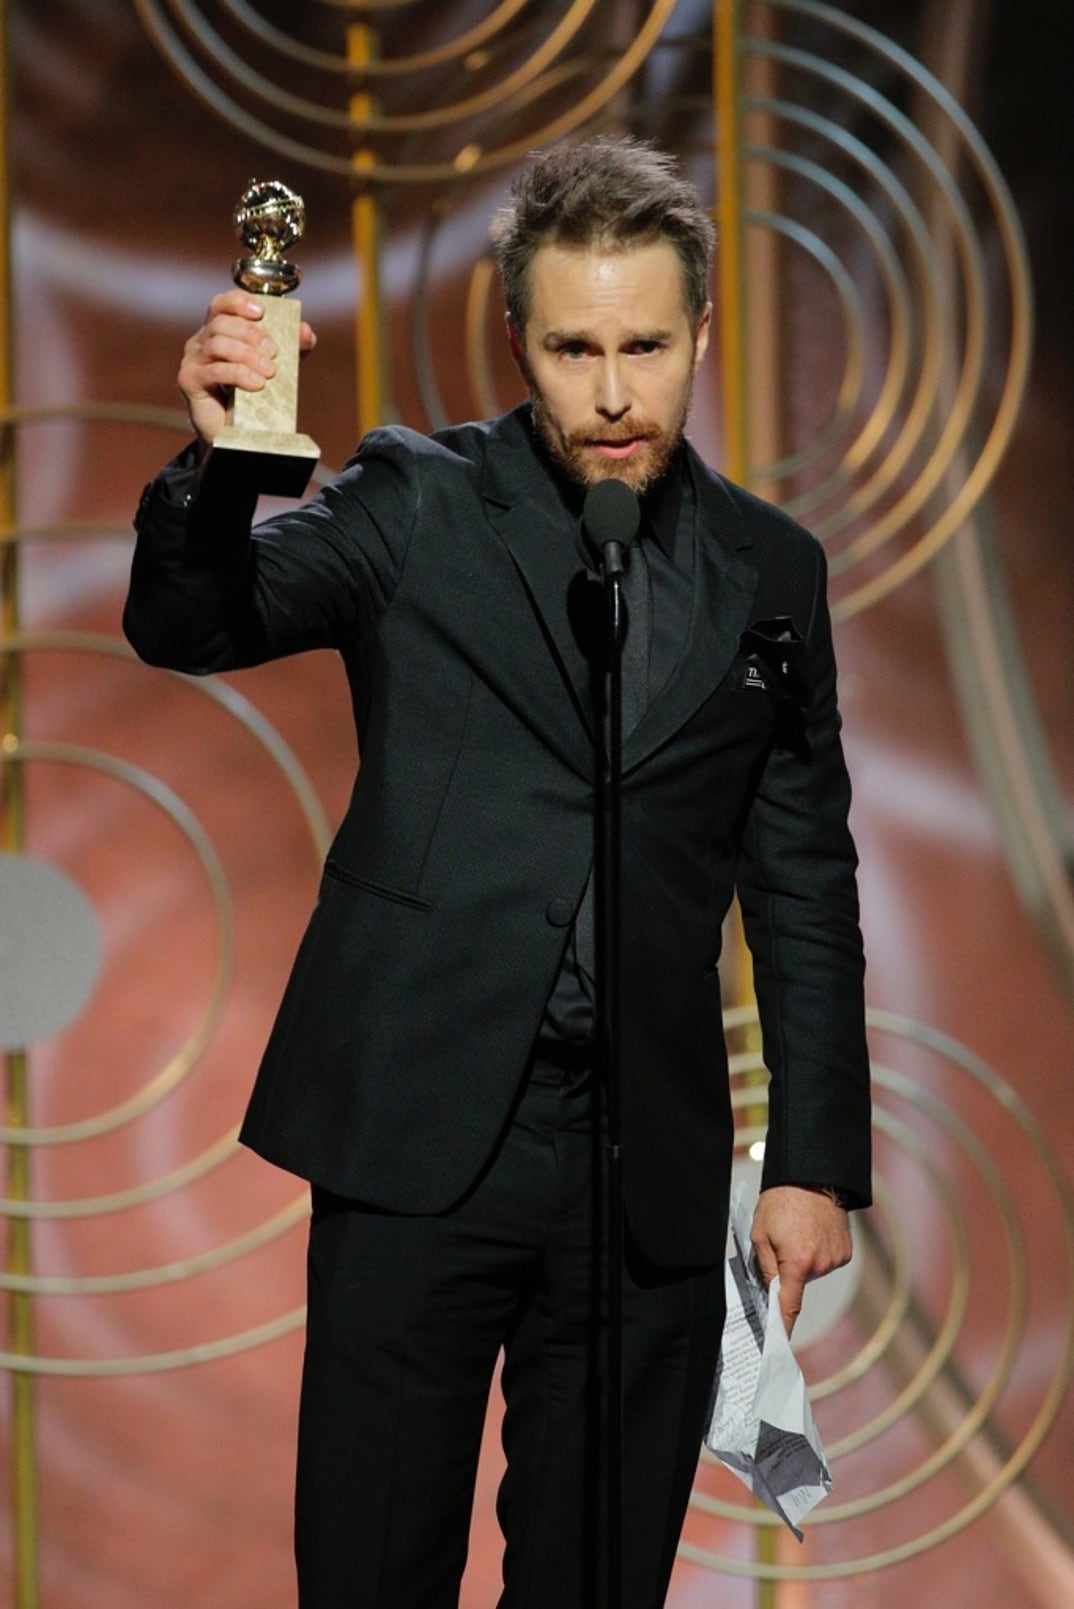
x=753 y=701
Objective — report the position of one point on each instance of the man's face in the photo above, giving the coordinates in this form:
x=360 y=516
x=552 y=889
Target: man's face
x=609 y=355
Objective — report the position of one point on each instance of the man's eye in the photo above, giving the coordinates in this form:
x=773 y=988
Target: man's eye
x=573 y=349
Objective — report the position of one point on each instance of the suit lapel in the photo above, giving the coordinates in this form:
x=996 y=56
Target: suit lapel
x=725 y=584
x=524 y=508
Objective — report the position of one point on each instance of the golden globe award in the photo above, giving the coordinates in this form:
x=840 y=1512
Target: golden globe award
x=259 y=449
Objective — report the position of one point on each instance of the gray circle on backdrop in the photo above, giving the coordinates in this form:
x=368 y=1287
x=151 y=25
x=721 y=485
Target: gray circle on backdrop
x=50 y=952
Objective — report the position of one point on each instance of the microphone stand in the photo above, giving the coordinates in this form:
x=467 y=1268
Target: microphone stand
x=609 y=997
x=610 y=520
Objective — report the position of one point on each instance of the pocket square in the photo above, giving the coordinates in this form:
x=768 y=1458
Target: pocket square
x=776 y=660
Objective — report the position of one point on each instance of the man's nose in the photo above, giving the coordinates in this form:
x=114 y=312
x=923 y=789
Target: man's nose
x=612 y=399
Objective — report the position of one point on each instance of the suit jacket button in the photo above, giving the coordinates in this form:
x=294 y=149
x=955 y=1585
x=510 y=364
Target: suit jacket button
x=560 y=912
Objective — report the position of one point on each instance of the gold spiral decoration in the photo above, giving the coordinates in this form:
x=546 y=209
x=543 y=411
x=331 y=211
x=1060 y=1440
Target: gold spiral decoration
x=24 y=754
x=881 y=193
x=514 y=59
x=906 y=456
x=952 y=1245
x=932 y=330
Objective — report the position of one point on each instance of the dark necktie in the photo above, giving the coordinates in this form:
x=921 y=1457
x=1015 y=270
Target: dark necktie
x=637 y=599
x=639 y=610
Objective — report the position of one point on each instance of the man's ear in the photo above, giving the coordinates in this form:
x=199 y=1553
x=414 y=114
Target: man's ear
x=518 y=351
x=701 y=335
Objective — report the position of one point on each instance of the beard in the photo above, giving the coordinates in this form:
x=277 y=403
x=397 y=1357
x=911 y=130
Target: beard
x=577 y=455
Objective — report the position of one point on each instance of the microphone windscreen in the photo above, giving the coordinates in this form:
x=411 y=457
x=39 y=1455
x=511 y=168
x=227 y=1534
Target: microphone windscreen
x=611 y=513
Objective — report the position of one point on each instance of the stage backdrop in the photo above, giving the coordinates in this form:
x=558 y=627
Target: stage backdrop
x=892 y=363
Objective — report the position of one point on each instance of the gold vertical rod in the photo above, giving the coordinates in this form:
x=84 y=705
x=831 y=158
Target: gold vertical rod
x=731 y=313
x=366 y=231
x=730 y=257
x=734 y=389
x=16 y=1070
x=21 y=1344
x=761 y=256
x=10 y=786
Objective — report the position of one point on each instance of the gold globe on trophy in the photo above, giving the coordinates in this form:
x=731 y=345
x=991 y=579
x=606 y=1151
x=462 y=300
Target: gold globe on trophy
x=259 y=449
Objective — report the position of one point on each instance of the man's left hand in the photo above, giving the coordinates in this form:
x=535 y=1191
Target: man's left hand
x=798 y=1233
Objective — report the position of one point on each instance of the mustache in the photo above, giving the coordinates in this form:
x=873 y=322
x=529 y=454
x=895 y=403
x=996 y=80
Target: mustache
x=613 y=435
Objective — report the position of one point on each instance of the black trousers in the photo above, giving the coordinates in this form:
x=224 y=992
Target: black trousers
x=407 y=1317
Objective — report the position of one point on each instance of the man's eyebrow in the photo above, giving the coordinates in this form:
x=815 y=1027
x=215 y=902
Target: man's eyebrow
x=567 y=337
x=561 y=337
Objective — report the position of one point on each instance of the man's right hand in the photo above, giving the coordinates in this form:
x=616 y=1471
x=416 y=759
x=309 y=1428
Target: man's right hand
x=230 y=350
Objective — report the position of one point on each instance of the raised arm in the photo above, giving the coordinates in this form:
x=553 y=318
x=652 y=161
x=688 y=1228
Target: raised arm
x=208 y=593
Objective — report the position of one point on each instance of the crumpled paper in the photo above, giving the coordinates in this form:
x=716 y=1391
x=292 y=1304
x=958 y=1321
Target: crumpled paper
x=761 y=1424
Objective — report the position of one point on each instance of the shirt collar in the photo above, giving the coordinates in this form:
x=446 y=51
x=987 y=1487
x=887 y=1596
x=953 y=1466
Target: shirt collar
x=661 y=506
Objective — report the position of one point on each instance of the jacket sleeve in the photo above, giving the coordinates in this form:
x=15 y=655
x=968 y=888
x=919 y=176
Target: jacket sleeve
x=798 y=893
x=210 y=593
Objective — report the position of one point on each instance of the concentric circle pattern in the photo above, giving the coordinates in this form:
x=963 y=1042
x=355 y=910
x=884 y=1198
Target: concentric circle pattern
x=903 y=294
x=907 y=1396
x=317 y=92
x=106 y=1143
x=896 y=211
x=902 y=315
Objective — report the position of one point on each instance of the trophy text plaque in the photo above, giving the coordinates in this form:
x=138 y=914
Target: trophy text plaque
x=259 y=449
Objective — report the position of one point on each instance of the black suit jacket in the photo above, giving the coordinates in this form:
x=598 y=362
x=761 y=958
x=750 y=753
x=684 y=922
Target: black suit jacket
x=443 y=569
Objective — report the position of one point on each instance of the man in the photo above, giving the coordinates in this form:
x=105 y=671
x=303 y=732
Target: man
x=434 y=1070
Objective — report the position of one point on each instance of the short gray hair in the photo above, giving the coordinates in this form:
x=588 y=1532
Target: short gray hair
x=607 y=192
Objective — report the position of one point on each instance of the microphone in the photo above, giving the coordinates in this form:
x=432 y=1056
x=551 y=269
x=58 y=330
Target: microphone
x=611 y=515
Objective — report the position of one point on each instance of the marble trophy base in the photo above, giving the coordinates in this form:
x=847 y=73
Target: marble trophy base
x=259 y=450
